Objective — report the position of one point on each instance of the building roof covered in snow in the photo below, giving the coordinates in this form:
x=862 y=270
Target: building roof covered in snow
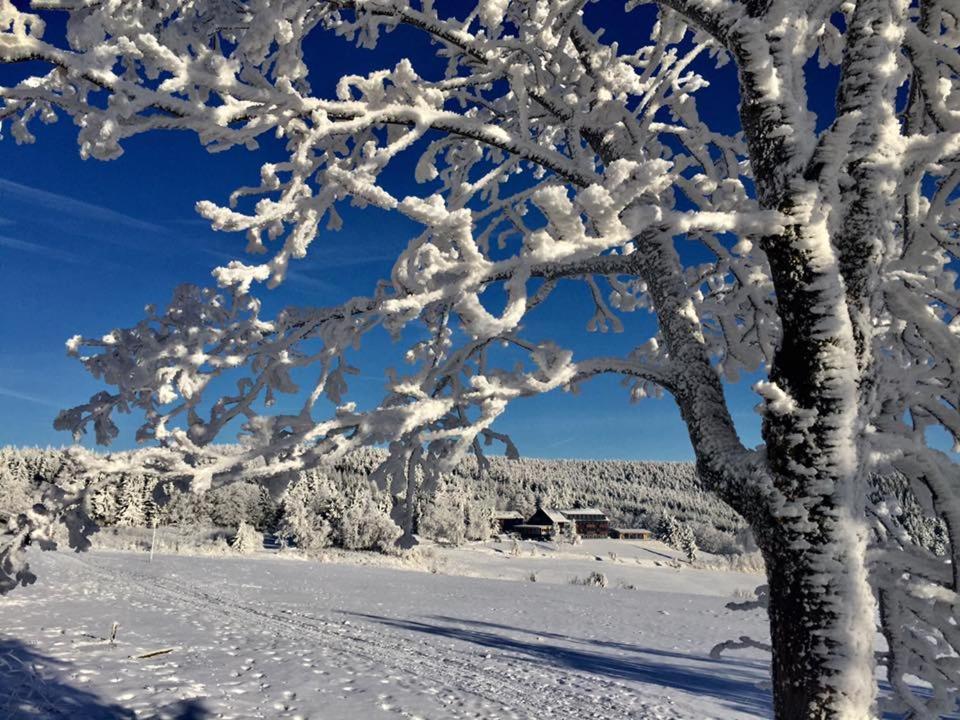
x=547 y=516
x=584 y=513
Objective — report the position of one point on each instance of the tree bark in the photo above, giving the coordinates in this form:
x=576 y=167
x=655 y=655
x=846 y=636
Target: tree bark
x=809 y=521
x=822 y=625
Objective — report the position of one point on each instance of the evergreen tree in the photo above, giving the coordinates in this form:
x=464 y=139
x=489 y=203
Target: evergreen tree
x=131 y=501
x=247 y=540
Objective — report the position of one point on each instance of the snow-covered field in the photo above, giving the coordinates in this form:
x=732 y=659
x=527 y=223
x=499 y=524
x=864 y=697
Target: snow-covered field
x=272 y=636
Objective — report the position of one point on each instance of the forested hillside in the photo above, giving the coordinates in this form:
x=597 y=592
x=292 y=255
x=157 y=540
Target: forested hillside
x=635 y=494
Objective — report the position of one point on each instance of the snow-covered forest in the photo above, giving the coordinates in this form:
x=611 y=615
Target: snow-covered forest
x=339 y=505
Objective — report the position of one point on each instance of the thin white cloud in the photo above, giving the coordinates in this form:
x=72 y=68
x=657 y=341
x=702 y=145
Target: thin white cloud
x=321 y=262
x=306 y=281
x=16 y=395
x=42 y=250
x=70 y=206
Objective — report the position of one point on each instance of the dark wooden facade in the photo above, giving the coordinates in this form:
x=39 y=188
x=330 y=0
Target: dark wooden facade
x=589 y=522
x=506 y=521
x=534 y=532
x=543 y=524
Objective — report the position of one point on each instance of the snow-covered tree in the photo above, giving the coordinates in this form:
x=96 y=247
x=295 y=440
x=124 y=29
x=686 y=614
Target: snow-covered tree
x=237 y=502
x=16 y=487
x=826 y=244
x=131 y=501
x=103 y=504
x=444 y=517
x=688 y=544
x=570 y=534
x=678 y=536
x=460 y=508
x=301 y=520
x=478 y=521
x=185 y=508
x=323 y=507
x=247 y=539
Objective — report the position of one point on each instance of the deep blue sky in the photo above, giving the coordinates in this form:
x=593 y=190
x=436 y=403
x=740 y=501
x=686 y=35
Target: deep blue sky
x=84 y=245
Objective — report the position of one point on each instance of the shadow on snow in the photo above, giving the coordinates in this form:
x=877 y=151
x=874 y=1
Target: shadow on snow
x=735 y=683
x=30 y=688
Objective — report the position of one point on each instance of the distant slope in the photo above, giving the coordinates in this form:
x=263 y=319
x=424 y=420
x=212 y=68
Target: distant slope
x=632 y=493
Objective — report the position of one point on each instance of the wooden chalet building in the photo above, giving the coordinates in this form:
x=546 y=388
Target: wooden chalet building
x=544 y=524
x=589 y=522
x=630 y=534
x=506 y=521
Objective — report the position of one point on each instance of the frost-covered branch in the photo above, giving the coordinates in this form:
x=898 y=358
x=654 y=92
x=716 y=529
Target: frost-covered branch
x=818 y=252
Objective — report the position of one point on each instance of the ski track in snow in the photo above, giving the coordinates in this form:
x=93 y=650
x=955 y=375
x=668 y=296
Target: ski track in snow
x=392 y=656
x=262 y=657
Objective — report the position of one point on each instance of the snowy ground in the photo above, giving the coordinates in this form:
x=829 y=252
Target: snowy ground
x=275 y=637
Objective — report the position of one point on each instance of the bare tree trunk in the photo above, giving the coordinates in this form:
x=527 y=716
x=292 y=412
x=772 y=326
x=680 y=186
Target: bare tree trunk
x=404 y=515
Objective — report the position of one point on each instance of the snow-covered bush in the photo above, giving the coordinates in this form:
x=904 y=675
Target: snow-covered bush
x=716 y=542
x=748 y=562
x=457 y=496
x=478 y=521
x=185 y=508
x=303 y=518
x=366 y=525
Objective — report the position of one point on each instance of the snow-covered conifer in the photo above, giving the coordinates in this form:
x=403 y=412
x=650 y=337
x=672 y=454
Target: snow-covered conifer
x=247 y=539
x=300 y=519
x=131 y=501
x=444 y=517
x=325 y=507
x=570 y=534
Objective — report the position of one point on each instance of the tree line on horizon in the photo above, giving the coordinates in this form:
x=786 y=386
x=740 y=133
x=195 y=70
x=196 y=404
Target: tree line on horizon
x=338 y=505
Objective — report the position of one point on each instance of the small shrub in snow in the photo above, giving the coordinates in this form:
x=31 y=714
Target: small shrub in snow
x=219 y=546
x=747 y=562
x=594 y=579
